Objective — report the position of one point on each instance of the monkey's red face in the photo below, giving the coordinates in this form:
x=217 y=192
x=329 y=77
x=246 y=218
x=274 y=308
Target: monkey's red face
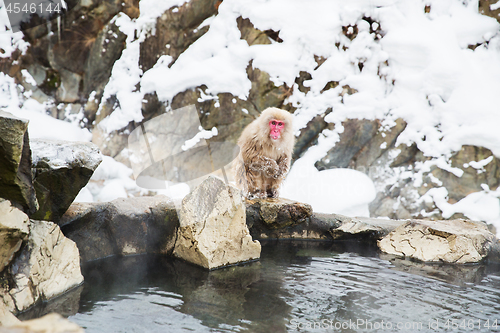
x=276 y=127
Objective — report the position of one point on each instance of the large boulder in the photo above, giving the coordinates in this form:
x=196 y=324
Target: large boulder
x=213 y=231
x=13 y=230
x=122 y=226
x=15 y=162
x=453 y=241
x=48 y=266
x=60 y=170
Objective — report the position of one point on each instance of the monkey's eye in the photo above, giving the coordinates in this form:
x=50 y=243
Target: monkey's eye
x=280 y=124
x=273 y=122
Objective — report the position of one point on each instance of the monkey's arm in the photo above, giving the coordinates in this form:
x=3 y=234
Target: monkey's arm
x=283 y=163
x=264 y=164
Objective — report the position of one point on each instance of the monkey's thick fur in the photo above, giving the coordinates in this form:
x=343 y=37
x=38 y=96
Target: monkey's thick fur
x=263 y=163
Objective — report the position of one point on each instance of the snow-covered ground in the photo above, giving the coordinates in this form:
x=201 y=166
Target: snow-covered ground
x=416 y=66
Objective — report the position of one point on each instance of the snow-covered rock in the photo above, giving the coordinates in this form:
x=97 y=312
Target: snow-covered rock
x=60 y=170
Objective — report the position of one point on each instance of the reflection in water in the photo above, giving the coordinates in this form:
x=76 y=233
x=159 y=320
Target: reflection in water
x=295 y=286
x=66 y=305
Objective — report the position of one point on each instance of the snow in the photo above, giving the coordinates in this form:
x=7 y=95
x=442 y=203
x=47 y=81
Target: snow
x=41 y=125
x=479 y=206
x=420 y=68
x=341 y=191
x=202 y=134
x=9 y=41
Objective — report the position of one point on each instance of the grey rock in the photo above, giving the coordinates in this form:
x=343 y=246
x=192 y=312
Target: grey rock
x=308 y=136
x=15 y=162
x=13 y=230
x=471 y=180
x=69 y=88
x=176 y=28
x=453 y=241
x=48 y=266
x=212 y=231
x=122 y=227
x=277 y=218
x=106 y=49
x=358 y=133
x=363 y=227
x=60 y=170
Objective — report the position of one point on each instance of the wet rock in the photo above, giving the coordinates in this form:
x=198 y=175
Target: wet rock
x=264 y=215
x=13 y=230
x=213 y=232
x=362 y=227
x=285 y=219
x=122 y=227
x=60 y=170
x=453 y=241
x=48 y=265
x=15 y=162
x=51 y=323
x=316 y=227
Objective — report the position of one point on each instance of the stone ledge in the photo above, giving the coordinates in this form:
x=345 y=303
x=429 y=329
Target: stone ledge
x=452 y=241
x=122 y=227
x=149 y=225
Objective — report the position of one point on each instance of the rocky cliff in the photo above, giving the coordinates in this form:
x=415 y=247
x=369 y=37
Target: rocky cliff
x=100 y=64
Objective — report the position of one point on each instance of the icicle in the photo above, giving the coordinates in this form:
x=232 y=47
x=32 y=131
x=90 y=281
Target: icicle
x=59 y=28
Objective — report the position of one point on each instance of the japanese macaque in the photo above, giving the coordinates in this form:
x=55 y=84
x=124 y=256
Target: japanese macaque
x=266 y=146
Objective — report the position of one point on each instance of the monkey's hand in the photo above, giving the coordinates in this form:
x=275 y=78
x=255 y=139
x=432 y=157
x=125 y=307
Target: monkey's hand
x=283 y=163
x=265 y=165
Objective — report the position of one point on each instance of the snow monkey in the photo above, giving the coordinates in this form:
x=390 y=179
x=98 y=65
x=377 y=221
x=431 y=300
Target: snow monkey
x=266 y=146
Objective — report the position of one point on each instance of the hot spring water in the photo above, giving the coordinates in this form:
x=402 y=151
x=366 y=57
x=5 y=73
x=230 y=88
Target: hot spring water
x=300 y=286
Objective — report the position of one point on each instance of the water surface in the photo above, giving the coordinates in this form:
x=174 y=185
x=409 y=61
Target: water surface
x=296 y=287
